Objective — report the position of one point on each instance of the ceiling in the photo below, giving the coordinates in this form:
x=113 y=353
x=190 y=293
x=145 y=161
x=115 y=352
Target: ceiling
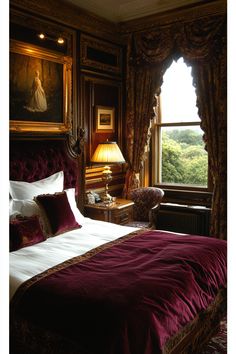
x=124 y=10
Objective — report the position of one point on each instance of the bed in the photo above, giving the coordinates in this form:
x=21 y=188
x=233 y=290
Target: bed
x=92 y=287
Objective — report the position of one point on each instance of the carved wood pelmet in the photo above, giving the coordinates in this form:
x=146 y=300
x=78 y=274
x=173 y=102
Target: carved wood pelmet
x=202 y=44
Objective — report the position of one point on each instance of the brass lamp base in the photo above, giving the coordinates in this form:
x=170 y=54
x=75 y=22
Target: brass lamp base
x=106 y=197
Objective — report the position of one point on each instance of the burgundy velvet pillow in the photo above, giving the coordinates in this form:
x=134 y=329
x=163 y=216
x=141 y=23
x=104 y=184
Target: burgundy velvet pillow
x=58 y=212
x=25 y=231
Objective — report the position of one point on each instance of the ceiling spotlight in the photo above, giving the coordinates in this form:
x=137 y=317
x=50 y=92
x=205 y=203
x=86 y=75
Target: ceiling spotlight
x=60 y=40
x=41 y=36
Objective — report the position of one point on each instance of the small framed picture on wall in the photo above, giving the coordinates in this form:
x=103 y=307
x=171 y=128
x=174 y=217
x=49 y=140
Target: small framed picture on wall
x=105 y=119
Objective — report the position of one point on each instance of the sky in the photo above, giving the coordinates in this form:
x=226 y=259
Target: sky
x=177 y=88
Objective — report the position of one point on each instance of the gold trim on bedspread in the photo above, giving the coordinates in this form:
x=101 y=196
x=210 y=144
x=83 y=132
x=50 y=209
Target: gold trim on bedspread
x=193 y=337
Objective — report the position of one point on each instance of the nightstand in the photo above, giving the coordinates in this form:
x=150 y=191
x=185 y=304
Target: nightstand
x=120 y=212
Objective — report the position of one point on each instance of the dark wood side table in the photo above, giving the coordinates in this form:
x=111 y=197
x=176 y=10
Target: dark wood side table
x=120 y=212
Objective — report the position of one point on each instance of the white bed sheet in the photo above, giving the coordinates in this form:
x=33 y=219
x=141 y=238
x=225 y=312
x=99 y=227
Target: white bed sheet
x=30 y=261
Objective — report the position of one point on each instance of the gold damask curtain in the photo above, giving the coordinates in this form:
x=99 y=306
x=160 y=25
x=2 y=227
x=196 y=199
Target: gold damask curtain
x=202 y=44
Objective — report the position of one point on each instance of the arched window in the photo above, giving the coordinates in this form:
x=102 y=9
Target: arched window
x=178 y=154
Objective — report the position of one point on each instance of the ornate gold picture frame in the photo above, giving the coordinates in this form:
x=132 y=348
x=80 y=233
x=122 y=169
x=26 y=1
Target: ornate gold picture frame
x=40 y=90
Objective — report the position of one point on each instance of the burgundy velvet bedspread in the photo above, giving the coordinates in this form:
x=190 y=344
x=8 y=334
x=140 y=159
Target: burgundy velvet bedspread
x=129 y=298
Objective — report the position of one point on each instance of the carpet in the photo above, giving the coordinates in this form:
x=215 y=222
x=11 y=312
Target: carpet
x=218 y=344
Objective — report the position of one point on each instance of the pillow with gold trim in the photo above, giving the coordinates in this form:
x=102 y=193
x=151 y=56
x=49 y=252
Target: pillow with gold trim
x=24 y=232
x=57 y=211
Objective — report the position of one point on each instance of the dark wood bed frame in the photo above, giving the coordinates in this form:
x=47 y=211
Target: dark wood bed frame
x=34 y=159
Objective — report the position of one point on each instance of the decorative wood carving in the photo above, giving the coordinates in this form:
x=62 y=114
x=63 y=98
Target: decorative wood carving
x=87 y=42
x=76 y=149
x=76 y=146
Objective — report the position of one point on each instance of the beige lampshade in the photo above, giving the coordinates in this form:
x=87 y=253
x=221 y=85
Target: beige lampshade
x=108 y=152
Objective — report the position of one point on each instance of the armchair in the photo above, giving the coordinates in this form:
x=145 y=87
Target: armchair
x=146 y=205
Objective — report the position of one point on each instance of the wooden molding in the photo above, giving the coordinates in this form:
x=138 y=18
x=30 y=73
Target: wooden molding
x=183 y=14
x=89 y=119
x=80 y=19
x=40 y=25
x=70 y=15
x=187 y=197
x=87 y=42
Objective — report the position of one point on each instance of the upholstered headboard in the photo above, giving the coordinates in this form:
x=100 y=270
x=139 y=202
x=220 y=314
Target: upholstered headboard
x=32 y=160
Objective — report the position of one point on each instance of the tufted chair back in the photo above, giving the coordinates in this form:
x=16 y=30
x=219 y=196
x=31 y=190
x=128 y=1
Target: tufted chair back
x=146 y=200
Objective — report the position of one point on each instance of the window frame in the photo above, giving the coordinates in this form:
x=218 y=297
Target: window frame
x=175 y=193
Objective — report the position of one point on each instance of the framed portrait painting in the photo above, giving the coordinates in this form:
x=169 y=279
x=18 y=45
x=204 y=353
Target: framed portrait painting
x=40 y=90
x=105 y=119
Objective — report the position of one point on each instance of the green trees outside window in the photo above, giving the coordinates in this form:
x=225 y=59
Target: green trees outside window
x=184 y=160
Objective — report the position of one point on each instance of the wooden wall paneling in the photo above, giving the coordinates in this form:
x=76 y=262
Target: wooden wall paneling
x=25 y=27
x=86 y=104
x=95 y=81
x=99 y=55
x=97 y=91
x=70 y=15
x=77 y=121
x=100 y=92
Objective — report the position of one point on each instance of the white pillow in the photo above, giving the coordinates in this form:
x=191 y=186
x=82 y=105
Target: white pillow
x=29 y=207
x=25 y=207
x=71 y=199
x=25 y=190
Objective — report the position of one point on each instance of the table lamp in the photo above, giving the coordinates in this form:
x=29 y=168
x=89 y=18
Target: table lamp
x=107 y=153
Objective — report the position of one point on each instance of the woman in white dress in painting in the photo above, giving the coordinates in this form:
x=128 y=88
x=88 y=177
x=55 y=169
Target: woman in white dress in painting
x=38 y=102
